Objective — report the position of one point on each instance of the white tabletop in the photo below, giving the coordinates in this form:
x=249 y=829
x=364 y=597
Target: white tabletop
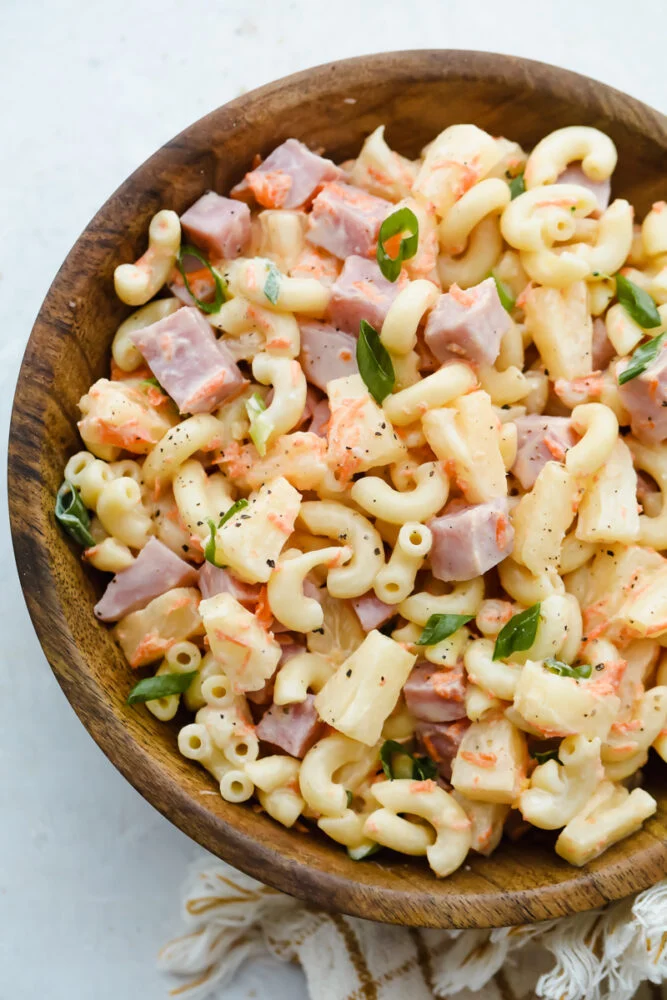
x=89 y=873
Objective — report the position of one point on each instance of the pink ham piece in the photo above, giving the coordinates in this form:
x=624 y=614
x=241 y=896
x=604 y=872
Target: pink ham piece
x=196 y=370
x=603 y=349
x=371 y=611
x=321 y=417
x=361 y=291
x=435 y=694
x=288 y=177
x=469 y=539
x=346 y=220
x=326 y=353
x=441 y=741
x=600 y=189
x=645 y=399
x=289 y=650
x=155 y=570
x=213 y=580
x=468 y=324
x=540 y=440
x=292 y=728
x=220 y=226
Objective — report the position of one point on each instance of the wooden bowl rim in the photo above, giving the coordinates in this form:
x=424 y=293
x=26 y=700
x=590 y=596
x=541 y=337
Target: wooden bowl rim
x=585 y=889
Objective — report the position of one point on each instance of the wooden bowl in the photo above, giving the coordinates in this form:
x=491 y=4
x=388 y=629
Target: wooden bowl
x=416 y=94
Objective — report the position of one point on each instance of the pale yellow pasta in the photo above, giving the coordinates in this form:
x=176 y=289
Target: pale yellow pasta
x=463 y=599
x=654 y=230
x=560 y=789
x=276 y=781
x=608 y=816
x=136 y=283
x=446 y=653
x=197 y=433
x=542 y=216
x=195 y=743
x=406 y=371
x=278 y=331
x=438 y=389
x=494 y=677
x=90 y=475
x=601 y=291
x=467 y=435
x=557 y=150
x=123 y=351
x=525 y=587
x=247 y=277
x=120 y=509
x=608 y=510
x=653 y=530
x=208 y=667
x=300 y=674
x=395 y=581
x=377 y=498
x=399 y=329
x=599 y=427
x=430 y=802
x=445 y=165
x=508 y=444
x=236 y=786
x=381 y=171
x=200 y=498
x=636 y=734
x=289 y=395
x=282 y=237
x=481 y=255
x=479 y=704
x=231 y=731
x=361 y=694
x=319 y=768
x=504 y=387
x=613 y=242
x=334 y=520
x=109 y=556
x=488 y=197
x=487 y=820
x=285 y=593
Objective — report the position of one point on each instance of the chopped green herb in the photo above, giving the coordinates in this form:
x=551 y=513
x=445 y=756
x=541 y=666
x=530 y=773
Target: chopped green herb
x=350 y=797
x=160 y=686
x=260 y=427
x=637 y=303
x=543 y=757
x=375 y=366
x=517 y=186
x=234 y=509
x=209 y=550
x=220 y=286
x=423 y=768
x=71 y=514
x=440 y=627
x=398 y=222
x=518 y=634
x=565 y=670
x=272 y=283
x=152 y=383
x=642 y=358
x=504 y=294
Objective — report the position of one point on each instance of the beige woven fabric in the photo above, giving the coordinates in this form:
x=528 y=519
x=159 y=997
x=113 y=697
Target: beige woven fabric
x=602 y=955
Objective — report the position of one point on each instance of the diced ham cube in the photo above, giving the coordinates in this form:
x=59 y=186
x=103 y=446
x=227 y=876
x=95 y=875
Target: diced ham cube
x=435 y=694
x=213 y=580
x=292 y=728
x=441 y=741
x=361 y=291
x=288 y=177
x=289 y=650
x=603 y=349
x=468 y=324
x=264 y=697
x=346 y=220
x=326 y=353
x=371 y=611
x=155 y=570
x=645 y=399
x=469 y=539
x=220 y=226
x=600 y=189
x=196 y=370
x=540 y=440
x=321 y=417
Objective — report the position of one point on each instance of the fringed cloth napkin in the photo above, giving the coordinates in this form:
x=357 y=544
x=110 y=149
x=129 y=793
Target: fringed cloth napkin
x=601 y=955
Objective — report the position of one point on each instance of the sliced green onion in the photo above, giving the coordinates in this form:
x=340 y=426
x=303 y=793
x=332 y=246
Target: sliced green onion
x=637 y=303
x=397 y=222
x=642 y=358
x=160 y=686
x=272 y=283
x=423 y=768
x=220 y=285
x=543 y=757
x=565 y=670
x=361 y=853
x=374 y=361
x=233 y=510
x=71 y=514
x=517 y=186
x=440 y=627
x=209 y=550
x=507 y=300
x=260 y=427
x=518 y=634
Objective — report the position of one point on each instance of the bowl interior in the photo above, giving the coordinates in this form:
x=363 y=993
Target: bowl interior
x=416 y=94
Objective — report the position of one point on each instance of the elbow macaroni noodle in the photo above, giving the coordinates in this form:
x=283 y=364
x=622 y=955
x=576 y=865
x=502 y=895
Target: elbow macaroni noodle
x=294 y=587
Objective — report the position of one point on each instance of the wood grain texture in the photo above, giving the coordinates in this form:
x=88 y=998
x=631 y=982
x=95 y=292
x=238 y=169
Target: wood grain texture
x=416 y=94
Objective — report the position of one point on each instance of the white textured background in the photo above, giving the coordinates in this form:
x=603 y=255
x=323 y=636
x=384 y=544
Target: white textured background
x=89 y=873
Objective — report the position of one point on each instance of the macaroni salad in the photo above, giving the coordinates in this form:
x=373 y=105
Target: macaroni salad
x=380 y=472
